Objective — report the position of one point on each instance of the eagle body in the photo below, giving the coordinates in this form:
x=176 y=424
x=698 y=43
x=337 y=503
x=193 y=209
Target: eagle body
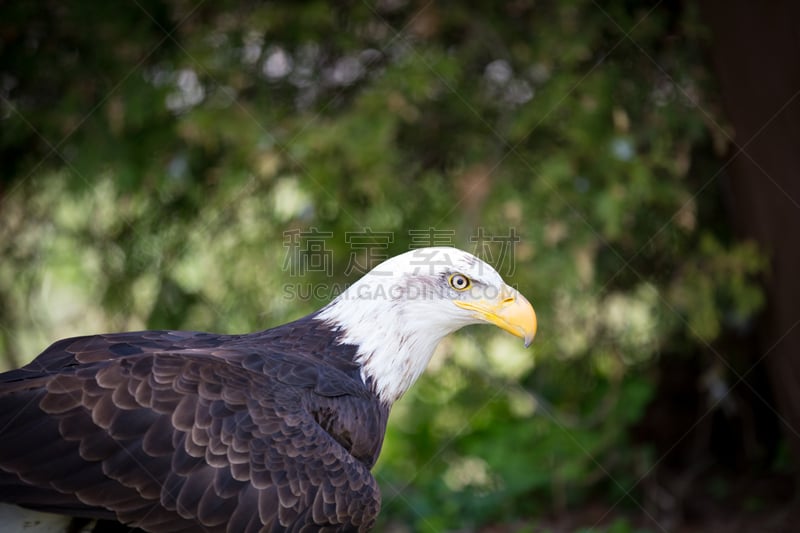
x=156 y=428
x=170 y=431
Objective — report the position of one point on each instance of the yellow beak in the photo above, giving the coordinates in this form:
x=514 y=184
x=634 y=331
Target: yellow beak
x=510 y=311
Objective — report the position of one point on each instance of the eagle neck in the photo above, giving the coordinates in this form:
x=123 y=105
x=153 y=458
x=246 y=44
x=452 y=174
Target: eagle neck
x=393 y=343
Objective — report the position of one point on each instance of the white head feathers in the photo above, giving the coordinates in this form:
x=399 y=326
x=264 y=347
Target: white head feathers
x=399 y=311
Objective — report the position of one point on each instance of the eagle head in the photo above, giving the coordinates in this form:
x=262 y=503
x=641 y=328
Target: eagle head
x=397 y=313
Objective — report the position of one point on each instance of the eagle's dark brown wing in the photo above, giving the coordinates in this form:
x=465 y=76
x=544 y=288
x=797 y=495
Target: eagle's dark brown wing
x=181 y=442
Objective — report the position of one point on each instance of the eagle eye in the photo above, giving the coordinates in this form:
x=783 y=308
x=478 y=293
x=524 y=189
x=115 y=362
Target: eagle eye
x=460 y=282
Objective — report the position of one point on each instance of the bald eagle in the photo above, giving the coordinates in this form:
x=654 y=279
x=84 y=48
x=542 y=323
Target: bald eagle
x=278 y=430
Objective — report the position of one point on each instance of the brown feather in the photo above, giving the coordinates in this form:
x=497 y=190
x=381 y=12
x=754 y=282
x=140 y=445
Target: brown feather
x=172 y=431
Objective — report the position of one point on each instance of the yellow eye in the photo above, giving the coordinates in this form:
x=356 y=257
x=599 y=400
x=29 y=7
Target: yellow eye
x=460 y=282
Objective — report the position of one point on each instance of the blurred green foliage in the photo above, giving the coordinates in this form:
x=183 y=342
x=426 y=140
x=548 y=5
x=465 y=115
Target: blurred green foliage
x=155 y=155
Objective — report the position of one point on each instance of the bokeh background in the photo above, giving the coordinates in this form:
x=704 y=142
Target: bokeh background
x=630 y=166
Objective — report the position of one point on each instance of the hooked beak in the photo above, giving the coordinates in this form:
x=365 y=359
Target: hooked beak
x=510 y=311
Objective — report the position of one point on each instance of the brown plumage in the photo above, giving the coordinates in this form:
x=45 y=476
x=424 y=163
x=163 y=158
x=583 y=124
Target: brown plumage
x=171 y=431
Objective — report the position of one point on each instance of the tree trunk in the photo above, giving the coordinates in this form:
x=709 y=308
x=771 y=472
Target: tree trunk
x=756 y=52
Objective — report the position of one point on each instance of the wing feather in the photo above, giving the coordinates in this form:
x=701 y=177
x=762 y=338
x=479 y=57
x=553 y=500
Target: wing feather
x=175 y=441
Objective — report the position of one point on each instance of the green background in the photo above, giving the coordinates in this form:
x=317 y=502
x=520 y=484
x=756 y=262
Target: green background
x=158 y=157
